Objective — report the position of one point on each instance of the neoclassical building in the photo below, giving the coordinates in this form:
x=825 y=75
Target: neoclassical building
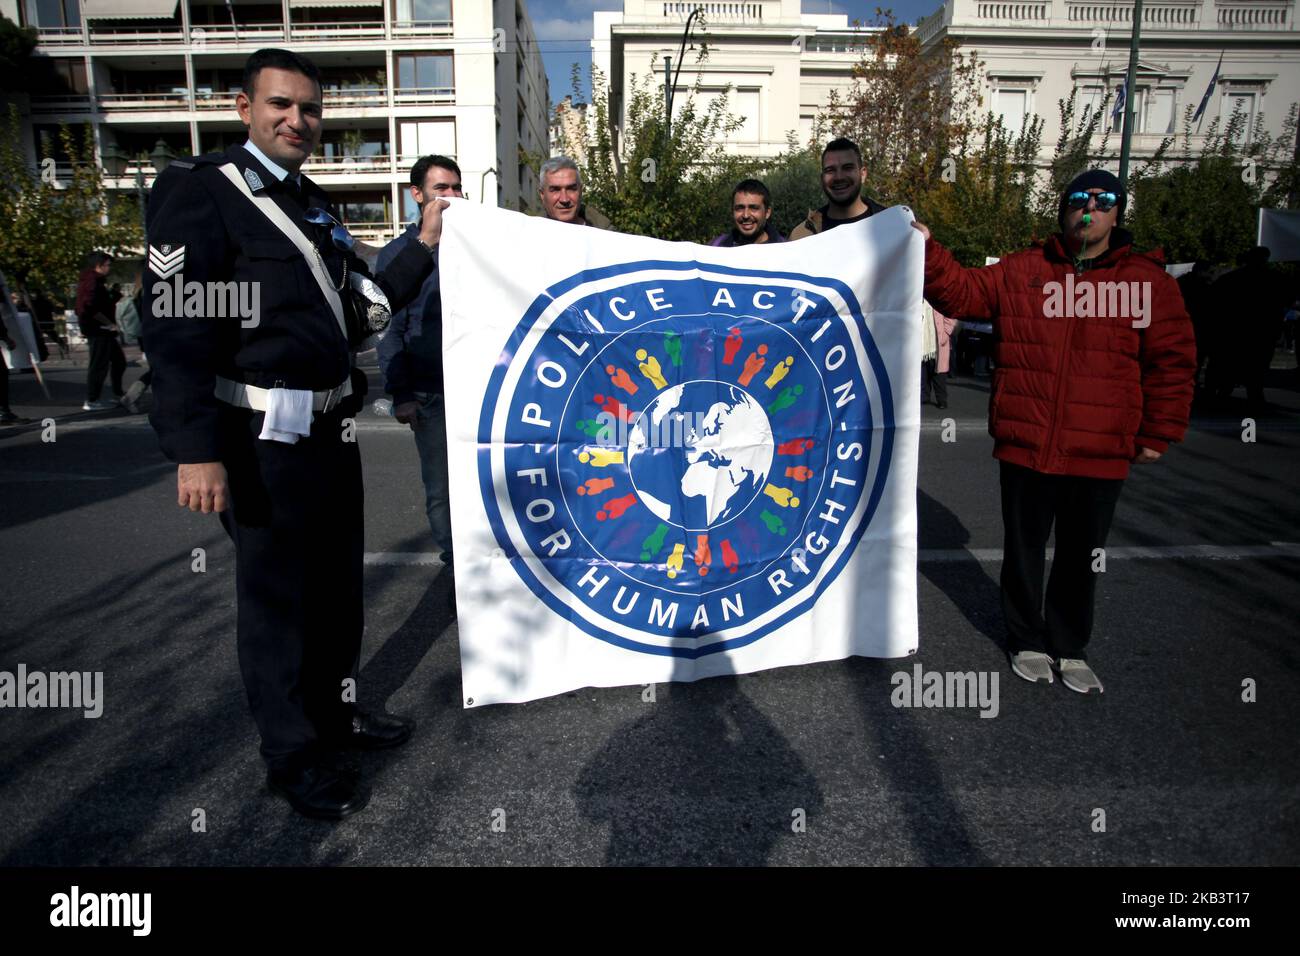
x=1037 y=52
x=782 y=62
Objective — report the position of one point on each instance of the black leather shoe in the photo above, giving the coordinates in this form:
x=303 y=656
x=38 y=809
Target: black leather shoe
x=373 y=732
x=318 y=792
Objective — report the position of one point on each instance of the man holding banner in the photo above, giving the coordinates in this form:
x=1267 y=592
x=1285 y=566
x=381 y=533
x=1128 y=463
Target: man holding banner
x=1095 y=359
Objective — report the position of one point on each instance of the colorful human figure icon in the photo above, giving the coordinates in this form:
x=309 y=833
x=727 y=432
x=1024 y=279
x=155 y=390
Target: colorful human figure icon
x=782 y=496
x=781 y=371
x=731 y=346
x=799 y=472
x=594 y=486
x=703 y=556
x=787 y=398
x=673 y=346
x=600 y=457
x=796 y=446
x=753 y=365
x=729 y=557
x=774 y=523
x=676 y=560
x=589 y=427
x=614 y=507
x=651 y=369
x=621 y=379
x=654 y=543
x=614 y=407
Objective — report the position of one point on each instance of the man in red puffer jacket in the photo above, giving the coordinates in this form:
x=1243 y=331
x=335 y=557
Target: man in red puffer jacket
x=1095 y=362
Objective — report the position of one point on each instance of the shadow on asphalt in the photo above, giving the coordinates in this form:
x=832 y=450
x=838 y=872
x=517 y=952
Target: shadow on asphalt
x=97 y=465
x=704 y=779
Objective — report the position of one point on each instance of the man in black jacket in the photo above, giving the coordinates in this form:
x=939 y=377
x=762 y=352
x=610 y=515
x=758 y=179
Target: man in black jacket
x=410 y=355
x=95 y=311
x=251 y=324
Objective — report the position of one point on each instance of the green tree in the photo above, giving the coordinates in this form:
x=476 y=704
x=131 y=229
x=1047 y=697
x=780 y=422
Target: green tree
x=650 y=181
x=986 y=201
x=1204 y=205
x=54 y=217
x=908 y=109
x=16 y=46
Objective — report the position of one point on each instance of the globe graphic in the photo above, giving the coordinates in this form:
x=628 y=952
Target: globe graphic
x=699 y=453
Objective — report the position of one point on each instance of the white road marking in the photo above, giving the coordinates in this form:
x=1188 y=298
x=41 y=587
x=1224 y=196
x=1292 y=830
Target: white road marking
x=1174 y=552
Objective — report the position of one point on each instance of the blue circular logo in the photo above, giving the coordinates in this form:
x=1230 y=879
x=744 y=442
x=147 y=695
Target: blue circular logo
x=679 y=457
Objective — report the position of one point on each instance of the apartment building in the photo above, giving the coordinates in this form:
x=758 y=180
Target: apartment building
x=1037 y=52
x=780 y=62
x=400 y=78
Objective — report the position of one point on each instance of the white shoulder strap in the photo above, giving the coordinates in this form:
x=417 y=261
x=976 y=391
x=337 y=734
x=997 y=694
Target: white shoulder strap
x=282 y=222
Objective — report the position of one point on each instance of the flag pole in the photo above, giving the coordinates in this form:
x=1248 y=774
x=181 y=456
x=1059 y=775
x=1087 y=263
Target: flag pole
x=1130 y=94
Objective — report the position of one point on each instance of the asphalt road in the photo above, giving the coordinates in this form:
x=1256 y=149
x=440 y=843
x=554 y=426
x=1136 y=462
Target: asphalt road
x=1199 y=595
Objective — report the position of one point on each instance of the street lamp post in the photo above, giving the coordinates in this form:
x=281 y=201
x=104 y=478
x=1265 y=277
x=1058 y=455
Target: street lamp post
x=670 y=78
x=1126 y=136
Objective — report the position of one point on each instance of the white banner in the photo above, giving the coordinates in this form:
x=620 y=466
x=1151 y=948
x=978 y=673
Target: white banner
x=671 y=461
x=1279 y=230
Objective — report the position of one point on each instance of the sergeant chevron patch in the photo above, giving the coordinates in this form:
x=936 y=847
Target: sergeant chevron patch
x=166 y=260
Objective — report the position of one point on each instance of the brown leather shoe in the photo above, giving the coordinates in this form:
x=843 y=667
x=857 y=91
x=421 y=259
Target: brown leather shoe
x=319 y=792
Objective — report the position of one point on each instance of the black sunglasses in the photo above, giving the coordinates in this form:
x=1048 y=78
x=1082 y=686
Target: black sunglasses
x=338 y=232
x=1105 y=201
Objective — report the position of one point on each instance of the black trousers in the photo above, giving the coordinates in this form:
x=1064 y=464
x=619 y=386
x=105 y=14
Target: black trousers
x=939 y=380
x=297 y=525
x=105 y=353
x=1081 y=509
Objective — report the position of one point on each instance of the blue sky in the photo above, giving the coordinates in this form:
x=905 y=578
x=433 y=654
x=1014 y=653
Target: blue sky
x=564 y=28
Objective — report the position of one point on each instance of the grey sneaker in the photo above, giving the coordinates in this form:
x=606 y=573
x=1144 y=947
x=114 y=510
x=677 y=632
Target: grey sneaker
x=1034 y=666
x=1078 y=676
x=102 y=405
x=132 y=396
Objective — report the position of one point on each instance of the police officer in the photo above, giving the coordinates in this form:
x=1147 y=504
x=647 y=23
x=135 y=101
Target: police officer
x=254 y=407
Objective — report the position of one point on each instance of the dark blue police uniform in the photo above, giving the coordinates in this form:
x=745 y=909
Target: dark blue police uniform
x=295 y=512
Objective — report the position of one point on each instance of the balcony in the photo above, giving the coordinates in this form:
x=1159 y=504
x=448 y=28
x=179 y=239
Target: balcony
x=60 y=36
x=1165 y=16
x=1014 y=12
x=356 y=98
x=114 y=34
x=206 y=100
x=326 y=166
x=1254 y=16
x=421 y=28
x=61 y=104
x=410 y=96
x=177 y=99
x=225 y=35
x=353 y=30
x=749 y=12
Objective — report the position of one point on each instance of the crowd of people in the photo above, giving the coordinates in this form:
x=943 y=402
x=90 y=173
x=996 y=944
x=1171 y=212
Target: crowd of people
x=251 y=416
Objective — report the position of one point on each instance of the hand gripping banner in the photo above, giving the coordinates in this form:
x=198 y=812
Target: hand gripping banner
x=672 y=461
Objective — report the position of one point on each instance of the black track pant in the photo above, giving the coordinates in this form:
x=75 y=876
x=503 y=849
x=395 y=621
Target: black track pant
x=105 y=354
x=1081 y=509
